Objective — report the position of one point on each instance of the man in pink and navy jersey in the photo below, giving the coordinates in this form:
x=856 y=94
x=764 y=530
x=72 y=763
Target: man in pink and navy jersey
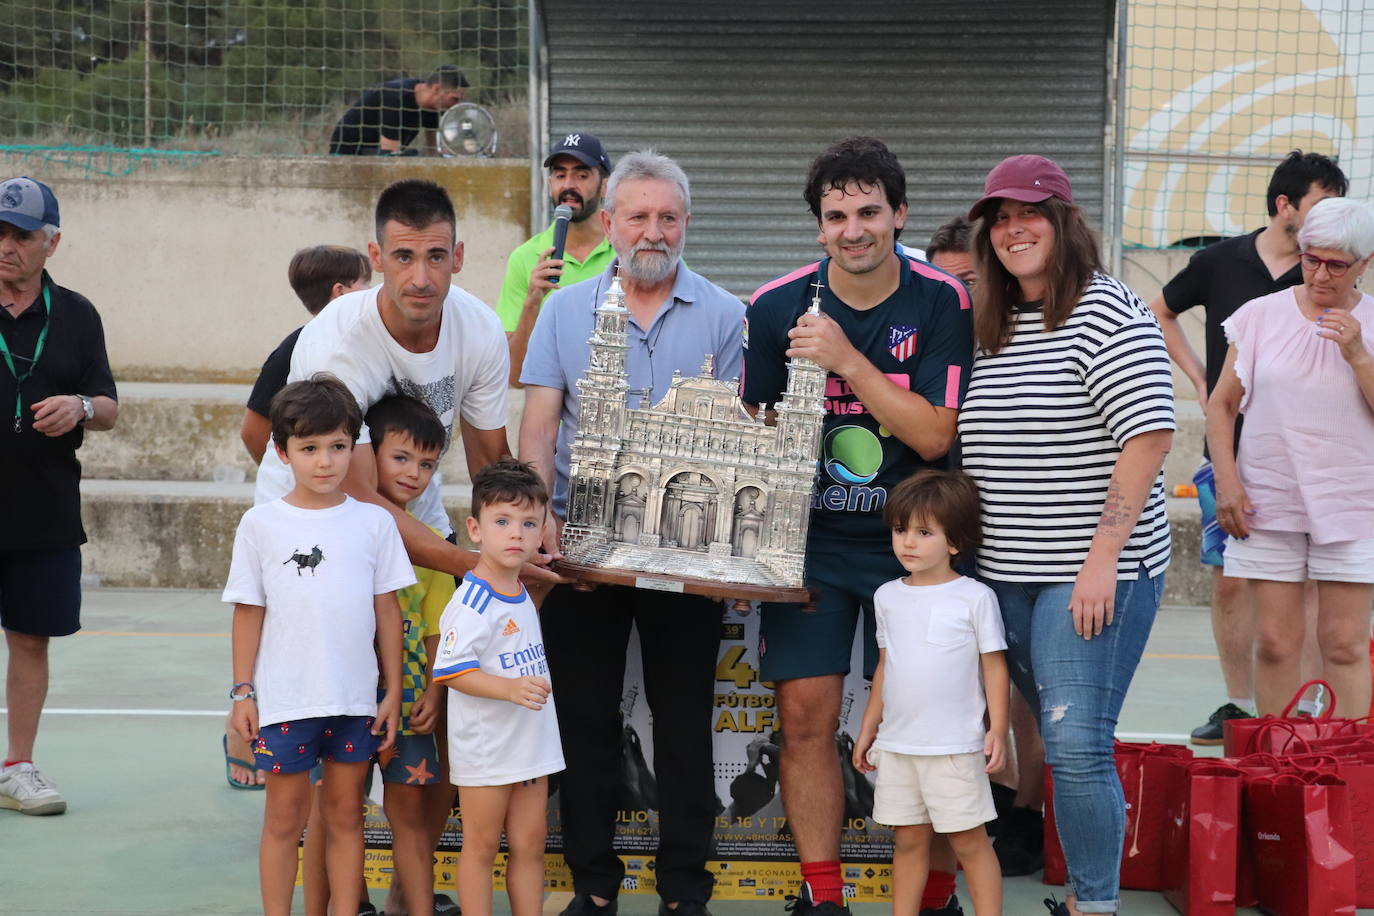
x=896 y=338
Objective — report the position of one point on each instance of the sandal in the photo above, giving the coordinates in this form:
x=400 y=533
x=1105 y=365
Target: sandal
x=249 y=765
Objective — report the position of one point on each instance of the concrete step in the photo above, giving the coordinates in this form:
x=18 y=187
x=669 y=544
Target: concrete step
x=169 y=431
x=179 y=534
x=190 y=432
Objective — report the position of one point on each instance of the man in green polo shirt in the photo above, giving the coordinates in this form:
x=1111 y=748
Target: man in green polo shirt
x=578 y=167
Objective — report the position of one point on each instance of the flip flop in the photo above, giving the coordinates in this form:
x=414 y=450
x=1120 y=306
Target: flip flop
x=246 y=764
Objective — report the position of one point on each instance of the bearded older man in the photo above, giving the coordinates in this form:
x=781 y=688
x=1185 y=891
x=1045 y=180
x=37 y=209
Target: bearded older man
x=677 y=318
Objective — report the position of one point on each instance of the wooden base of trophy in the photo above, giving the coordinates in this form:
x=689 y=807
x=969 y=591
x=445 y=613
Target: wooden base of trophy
x=589 y=577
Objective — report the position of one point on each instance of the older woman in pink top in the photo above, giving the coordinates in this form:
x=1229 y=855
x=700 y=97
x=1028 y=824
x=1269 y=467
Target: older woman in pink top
x=1298 y=502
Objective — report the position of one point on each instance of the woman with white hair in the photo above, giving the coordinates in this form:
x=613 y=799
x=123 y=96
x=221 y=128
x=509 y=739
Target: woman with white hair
x=1298 y=501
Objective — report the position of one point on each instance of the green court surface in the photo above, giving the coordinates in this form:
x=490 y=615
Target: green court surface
x=131 y=735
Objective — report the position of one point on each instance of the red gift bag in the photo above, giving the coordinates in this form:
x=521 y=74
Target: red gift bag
x=1356 y=768
x=1265 y=734
x=1300 y=843
x=1202 y=839
x=1148 y=784
x=1352 y=759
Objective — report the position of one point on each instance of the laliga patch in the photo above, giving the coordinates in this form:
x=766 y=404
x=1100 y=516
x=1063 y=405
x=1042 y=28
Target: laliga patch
x=450 y=640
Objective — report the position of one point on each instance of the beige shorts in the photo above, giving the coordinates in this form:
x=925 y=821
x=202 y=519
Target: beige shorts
x=950 y=792
x=1290 y=556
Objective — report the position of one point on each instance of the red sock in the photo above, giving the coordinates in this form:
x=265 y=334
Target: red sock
x=939 y=888
x=824 y=880
x=10 y=763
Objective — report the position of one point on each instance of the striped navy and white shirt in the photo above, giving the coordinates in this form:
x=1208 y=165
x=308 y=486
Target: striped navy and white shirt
x=1043 y=424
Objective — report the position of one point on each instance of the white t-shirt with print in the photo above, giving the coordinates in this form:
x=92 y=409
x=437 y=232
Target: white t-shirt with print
x=316 y=572
x=465 y=375
x=932 y=637
x=495 y=742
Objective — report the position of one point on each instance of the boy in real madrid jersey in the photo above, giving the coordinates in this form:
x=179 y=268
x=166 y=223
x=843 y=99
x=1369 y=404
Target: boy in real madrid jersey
x=502 y=727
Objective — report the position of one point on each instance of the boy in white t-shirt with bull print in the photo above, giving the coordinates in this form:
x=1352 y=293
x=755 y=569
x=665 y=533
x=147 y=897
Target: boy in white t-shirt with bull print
x=940 y=645
x=313 y=582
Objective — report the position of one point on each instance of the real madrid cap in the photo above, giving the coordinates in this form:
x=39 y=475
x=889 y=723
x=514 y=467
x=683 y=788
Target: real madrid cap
x=585 y=148
x=27 y=204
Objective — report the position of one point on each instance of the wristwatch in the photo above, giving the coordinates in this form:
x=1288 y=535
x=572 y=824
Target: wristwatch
x=250 y=694
x=87 y=407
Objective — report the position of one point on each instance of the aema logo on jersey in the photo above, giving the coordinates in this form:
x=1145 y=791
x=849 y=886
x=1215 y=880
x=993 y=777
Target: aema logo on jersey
x=852 y=454
x=901 y=342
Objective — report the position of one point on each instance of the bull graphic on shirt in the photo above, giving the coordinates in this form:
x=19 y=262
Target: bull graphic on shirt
x=306 y=560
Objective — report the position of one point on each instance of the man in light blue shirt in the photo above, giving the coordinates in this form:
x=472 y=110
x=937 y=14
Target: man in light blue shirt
x=677 y=318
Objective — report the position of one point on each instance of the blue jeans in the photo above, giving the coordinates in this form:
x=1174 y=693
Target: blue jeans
x=1076 y=688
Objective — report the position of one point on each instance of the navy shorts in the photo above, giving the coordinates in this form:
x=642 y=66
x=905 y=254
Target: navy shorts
x=294 y=747
x=40 y=591
x=414 y=761
x=795 y=643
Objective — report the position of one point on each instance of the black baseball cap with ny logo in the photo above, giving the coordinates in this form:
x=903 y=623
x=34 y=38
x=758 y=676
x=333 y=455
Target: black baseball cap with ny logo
x=585 y=148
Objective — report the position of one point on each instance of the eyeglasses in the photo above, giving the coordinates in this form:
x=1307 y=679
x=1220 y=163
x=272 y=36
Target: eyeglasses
x=1310 y=263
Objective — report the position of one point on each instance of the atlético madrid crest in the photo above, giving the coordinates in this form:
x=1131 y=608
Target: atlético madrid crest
x=901 y=342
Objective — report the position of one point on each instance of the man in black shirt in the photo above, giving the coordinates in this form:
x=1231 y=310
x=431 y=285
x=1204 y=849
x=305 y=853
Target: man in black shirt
x=55 y=382
x=387 y=117
x=1221 y=278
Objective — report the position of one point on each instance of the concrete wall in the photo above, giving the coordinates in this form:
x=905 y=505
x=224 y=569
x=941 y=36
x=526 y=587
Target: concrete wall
x=186 y=259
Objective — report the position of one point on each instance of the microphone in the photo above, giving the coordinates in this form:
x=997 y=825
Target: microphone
x=562 y=215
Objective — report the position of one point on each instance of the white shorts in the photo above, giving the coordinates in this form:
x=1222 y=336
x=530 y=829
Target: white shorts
x=1290 y=556
x=950 y=792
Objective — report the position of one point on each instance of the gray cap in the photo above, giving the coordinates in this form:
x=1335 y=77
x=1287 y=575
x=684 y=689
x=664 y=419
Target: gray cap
x=28 y=204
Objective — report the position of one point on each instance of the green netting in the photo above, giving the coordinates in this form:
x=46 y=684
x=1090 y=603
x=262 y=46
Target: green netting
x=241 y=76
x=1218 y=91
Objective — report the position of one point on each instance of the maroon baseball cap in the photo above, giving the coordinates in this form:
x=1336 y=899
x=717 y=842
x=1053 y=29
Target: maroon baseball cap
x=1026 y=178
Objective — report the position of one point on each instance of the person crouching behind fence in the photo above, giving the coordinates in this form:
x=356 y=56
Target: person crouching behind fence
x=502 y=727
x=313 y=581
x=940 y=646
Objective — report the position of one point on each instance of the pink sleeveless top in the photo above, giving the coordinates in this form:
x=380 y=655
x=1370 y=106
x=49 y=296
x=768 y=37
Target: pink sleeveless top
x=1307 y=448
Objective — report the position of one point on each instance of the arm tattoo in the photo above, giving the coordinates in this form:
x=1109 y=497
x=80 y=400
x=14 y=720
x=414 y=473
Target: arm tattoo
x=1117 y=512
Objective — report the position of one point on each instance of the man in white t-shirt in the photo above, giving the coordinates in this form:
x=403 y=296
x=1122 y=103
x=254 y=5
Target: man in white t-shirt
x=419 y=335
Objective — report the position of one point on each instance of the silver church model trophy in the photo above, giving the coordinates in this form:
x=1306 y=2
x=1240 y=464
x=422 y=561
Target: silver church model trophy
x=691 y=494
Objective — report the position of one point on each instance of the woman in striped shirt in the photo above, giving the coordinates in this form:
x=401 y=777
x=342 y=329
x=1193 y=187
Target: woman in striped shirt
x=1068 y=417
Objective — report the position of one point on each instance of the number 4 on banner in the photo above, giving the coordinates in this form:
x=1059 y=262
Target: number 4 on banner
x=732 y=668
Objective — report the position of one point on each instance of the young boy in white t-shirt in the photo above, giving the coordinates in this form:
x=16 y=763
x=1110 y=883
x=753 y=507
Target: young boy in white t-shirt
x=940 y=646
x=313 y=581
x=502 y=726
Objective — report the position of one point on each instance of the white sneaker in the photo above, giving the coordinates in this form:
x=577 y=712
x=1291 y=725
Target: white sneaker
x=24 y=789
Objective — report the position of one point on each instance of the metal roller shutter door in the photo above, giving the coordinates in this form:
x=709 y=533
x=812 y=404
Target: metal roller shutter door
x=744 y=95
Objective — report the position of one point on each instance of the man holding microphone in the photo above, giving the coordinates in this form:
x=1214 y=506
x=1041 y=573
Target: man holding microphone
x=578 y=166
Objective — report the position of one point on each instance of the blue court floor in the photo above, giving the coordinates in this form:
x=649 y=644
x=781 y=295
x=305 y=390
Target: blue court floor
x=132 y=736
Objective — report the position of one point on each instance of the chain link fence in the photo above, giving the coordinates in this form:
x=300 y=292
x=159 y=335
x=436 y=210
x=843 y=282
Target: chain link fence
x=1219 y=91
x=241 y=76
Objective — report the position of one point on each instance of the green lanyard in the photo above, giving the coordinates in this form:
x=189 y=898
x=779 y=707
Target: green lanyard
x=19 y=380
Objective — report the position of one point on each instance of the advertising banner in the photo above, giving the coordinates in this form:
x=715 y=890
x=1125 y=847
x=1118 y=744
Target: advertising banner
x=754 y=856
